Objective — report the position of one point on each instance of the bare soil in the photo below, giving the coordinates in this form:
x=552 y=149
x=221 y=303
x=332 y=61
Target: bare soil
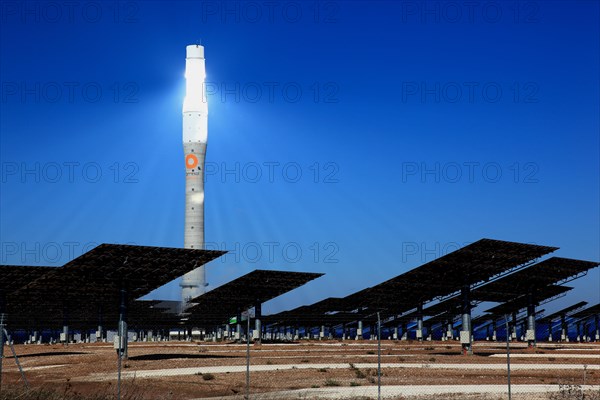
x=69 y=369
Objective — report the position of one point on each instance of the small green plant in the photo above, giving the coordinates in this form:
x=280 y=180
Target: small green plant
x=354 y=383
x=331 y=382
x=322 y=369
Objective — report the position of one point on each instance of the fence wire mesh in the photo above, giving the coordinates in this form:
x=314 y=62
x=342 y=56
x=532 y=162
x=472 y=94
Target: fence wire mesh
x=236 y=362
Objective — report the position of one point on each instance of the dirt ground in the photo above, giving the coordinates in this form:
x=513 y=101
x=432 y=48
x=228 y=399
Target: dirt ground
x=92 y=368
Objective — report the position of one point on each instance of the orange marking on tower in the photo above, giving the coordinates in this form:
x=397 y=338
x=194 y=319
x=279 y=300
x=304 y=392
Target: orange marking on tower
x=191 y=161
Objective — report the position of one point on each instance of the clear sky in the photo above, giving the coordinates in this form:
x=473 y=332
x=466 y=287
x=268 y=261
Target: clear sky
x=359 y=139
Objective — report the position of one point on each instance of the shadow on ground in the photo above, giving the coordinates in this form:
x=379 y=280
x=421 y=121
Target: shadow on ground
x=154 y=357
x=49 y=353
x=449 y=353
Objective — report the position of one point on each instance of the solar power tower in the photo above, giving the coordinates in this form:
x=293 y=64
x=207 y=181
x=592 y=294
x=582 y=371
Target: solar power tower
x=195 y=139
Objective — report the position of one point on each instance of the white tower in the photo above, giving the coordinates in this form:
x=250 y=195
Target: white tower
x=195 y=134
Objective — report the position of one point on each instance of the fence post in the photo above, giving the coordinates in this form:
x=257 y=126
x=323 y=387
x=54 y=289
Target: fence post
x=507 y=354
x=378 y=357
x=120 y=338
x=248 y=357
x=12 y=348
x=1 y=346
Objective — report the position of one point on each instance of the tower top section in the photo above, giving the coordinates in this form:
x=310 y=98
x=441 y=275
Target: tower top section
x=194 y=51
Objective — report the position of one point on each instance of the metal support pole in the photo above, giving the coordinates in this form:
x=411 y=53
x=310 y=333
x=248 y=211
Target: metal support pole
x=465 y=333
x=530 y=332
x=508 y=355
x=238 y=327
x=122 y=331
x=514 y=326
x=65 y=334
x=99 y=333
x=359 y=332
x=257 y=322
x=64 y=337
x=419 y=332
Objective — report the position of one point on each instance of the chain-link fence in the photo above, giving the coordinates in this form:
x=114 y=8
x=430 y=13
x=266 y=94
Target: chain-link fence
x=296 y=362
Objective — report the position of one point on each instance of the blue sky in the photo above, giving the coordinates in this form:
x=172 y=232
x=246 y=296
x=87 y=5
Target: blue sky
x=352 y=138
